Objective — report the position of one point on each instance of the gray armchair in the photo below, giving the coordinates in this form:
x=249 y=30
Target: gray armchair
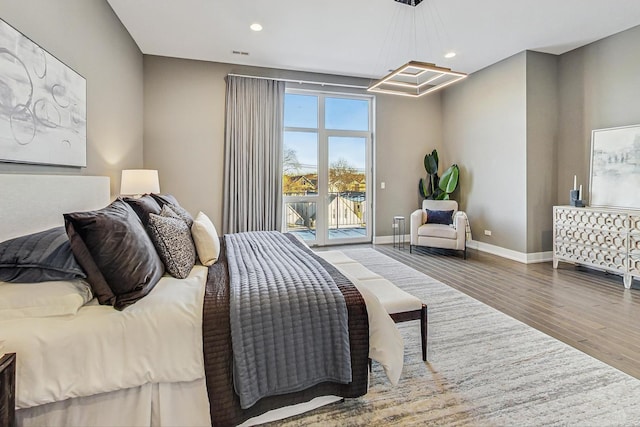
x=439 y=235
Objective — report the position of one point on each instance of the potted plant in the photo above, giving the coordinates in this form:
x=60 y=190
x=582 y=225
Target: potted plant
x=435 y=187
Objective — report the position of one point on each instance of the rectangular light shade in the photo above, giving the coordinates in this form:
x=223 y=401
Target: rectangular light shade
x=139 y=181
x=416 y=79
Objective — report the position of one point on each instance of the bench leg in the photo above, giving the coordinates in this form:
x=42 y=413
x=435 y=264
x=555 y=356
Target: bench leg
x=424 y=331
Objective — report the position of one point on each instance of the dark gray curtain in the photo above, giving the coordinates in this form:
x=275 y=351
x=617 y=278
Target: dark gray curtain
x=253 y=155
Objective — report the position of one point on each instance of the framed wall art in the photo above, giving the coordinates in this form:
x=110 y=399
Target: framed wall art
x=43 y=105
x=615 y=167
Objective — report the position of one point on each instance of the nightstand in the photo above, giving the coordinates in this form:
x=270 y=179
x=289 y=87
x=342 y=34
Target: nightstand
x=8 y=390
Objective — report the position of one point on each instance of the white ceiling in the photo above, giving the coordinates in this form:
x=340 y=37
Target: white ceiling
x=366 y=38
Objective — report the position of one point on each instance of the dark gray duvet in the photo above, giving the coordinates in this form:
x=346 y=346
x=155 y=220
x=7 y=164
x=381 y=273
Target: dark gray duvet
x=289 y=322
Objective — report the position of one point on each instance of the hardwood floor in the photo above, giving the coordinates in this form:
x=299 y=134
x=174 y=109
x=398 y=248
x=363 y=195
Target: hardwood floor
x=587 y=309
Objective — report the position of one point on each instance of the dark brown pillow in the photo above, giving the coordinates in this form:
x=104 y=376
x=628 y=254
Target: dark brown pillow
x=164 y=199
x=168 y=199
x=96 y=280
x=143 y=206
x=116 y=253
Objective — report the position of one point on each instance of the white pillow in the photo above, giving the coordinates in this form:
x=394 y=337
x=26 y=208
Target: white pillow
x=44 y=299
x=206 y=239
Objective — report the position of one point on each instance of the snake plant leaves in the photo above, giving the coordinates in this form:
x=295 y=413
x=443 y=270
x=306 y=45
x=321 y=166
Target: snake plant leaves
x=431 y=162
x=449 y=179
x=422 y=189
x=433 y=187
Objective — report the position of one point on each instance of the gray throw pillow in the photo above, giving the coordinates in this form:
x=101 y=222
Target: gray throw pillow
x=172 y=238
x=39 y=257
x=168 y=199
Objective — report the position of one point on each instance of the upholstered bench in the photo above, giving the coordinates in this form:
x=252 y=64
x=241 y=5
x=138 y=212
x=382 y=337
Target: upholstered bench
x=400 y=305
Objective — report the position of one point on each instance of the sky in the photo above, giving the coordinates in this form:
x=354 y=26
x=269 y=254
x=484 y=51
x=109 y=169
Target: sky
x=301 y=111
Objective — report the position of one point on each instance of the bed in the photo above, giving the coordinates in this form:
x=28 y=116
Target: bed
x=166 y=360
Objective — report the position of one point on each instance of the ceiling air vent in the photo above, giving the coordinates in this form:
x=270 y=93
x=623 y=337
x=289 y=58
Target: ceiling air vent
x=410 y=2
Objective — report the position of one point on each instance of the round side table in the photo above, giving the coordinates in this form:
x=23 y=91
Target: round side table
x=399 y=230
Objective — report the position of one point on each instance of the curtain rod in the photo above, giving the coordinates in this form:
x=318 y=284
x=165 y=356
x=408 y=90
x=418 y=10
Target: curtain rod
x=299 y=81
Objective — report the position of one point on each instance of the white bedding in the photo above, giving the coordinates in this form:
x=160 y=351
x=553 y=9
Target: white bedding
x=162 y=343
x=158 y=339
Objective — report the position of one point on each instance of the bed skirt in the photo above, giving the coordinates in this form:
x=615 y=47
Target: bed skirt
x=156 y=405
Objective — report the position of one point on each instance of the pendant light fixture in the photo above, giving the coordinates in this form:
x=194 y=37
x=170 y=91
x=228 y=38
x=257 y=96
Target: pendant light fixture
x=415 y=78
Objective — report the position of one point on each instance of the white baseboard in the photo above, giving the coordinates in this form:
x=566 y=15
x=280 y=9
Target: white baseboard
x=386 y=240
x=522 y=257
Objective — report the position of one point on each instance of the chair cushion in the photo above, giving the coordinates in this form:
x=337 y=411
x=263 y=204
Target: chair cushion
x=393 y=299
x=438 y=230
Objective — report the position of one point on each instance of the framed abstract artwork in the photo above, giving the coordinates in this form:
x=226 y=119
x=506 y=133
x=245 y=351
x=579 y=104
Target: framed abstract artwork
x=615 y=167
x=43 y=105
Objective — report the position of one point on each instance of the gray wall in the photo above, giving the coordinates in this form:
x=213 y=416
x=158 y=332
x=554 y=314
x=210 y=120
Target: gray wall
x=599 y=88
x=406 y=130
x=521 y=129
x=184 y=135
x=542 y=130
x=484 y=128
x=184 y=130
x=88 y=37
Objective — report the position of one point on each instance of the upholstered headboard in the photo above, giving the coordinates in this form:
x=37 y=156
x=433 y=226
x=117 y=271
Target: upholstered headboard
x=30 y=203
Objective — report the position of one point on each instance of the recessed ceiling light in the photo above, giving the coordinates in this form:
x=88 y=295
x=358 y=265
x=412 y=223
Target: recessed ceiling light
x=256 y=27
x=449 y=55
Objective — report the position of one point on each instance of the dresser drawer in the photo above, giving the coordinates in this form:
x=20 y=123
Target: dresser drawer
x=595 y=256
x=603 y=239
x=582 y=218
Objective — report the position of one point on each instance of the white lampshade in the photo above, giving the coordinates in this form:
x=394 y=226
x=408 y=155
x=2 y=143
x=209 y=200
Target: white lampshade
x=139 y=181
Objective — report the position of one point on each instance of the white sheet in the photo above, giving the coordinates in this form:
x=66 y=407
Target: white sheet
x=45 y=299
x=385 y=342
x=158 y=339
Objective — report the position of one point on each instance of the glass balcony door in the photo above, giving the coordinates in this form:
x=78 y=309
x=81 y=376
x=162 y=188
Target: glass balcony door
x=347 y=207
x=327 y=159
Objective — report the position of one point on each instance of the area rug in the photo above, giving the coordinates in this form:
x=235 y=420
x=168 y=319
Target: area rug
x=485 y=369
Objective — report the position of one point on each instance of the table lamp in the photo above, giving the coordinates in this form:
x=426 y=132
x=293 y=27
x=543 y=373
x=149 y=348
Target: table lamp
x=135 y=182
